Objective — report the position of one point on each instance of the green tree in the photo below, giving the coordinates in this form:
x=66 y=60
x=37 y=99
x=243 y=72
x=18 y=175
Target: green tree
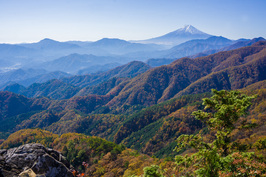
x=152 y=171
x=221 y=113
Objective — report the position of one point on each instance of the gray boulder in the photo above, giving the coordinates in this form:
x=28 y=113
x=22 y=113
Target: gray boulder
x=33 y=157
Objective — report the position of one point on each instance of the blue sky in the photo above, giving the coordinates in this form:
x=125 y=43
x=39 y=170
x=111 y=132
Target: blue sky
x=90 y=20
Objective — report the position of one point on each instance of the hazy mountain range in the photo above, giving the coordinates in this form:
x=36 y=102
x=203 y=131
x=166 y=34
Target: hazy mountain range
x=147 y=86
x=50 y=59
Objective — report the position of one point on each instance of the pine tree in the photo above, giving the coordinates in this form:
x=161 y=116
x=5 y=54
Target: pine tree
x=221 y=113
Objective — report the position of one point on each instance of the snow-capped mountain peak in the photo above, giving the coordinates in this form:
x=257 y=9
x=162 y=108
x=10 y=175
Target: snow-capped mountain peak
x=189 y=29
x=188 y=32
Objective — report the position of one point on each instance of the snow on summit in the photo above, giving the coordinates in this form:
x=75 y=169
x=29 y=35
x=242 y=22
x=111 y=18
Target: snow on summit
x=189 y=29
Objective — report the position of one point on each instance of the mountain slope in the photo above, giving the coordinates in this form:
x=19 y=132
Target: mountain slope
x=164 y=82
x=229 y=78
x=13 y=104
x=17 y=111
x=54 y=89
x=104 y=87
x=15 y=88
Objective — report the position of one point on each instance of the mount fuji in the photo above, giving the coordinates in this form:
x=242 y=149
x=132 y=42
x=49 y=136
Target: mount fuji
x=188 y=32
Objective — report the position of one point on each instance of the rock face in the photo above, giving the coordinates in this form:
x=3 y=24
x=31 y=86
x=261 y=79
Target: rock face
x=33 y=160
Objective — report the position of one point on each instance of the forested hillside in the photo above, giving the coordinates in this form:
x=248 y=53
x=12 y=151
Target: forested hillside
x=185 y=76
x=158 y=127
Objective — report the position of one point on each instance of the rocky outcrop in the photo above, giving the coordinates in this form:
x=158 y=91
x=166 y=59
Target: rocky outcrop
x=33 y=160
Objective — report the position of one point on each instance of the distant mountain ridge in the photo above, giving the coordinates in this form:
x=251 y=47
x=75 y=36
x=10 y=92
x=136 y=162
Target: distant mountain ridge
x=76 y=57
x=49 y=44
